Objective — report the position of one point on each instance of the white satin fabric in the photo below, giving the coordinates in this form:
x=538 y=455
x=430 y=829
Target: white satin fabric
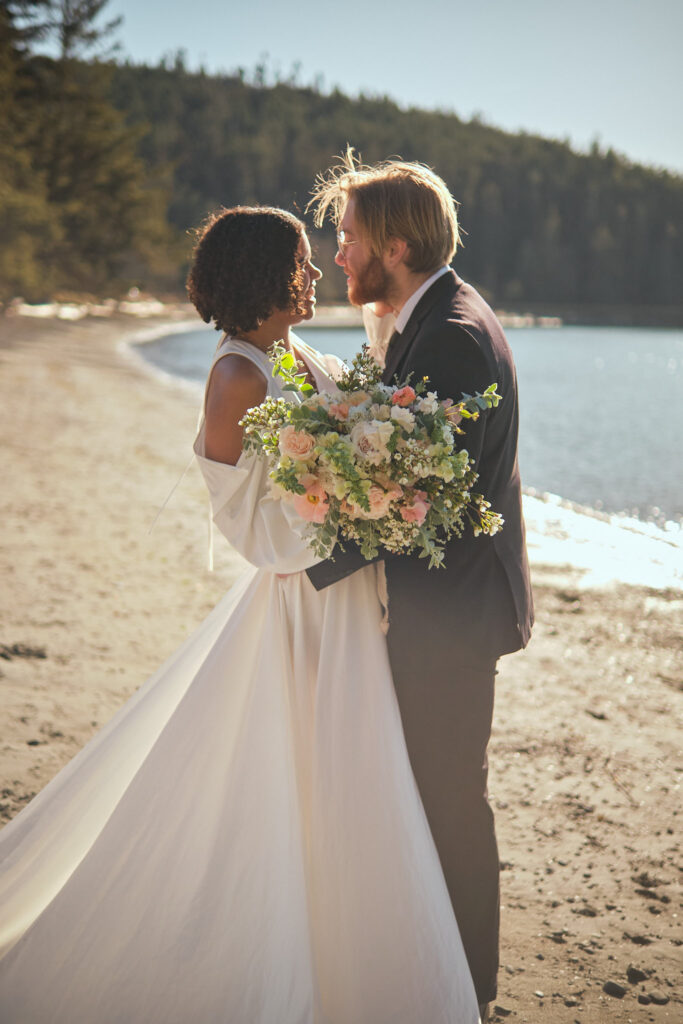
x=244 y=842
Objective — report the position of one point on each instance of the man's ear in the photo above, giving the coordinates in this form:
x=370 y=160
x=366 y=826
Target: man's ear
x=395 y=252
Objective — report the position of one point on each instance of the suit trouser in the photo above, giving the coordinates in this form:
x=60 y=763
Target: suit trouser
x=446 y=703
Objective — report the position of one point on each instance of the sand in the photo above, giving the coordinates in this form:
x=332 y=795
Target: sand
x=584 y=757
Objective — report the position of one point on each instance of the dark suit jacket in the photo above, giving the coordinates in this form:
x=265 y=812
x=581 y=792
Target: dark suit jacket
x=482 y=598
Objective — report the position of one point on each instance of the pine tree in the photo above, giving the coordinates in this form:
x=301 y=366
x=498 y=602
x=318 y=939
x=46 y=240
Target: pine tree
x=29 y=225
x=81 y=211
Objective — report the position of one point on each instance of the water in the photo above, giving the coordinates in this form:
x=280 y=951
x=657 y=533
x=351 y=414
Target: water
x=600 y=409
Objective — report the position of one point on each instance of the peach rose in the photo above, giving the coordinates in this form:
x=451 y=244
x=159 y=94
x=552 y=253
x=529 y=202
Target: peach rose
x=404 y=396
x=340 y=410
x=297 y=444
x=312 y=505
x=417 y=511
x=380 y=501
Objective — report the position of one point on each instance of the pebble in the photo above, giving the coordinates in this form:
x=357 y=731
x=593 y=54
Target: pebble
x=635 y=974
x=613 y=988
x=644 y=1000
x=658 y=997
x=571 y=1001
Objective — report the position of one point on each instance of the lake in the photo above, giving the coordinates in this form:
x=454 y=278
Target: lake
x=601 y=408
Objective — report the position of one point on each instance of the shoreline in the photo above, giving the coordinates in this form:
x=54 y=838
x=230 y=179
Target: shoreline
x=597 y=546
x=584 y=755
x=340 y=314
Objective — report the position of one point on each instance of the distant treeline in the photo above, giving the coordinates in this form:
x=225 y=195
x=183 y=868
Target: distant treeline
x=109 y=165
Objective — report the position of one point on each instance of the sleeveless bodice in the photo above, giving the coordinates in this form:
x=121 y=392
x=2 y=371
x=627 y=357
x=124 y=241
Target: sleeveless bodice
x=325 y=368
x=236 y=346
x=265 y=531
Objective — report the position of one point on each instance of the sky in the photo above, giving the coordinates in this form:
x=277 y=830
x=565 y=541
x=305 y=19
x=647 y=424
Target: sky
x=609 y=71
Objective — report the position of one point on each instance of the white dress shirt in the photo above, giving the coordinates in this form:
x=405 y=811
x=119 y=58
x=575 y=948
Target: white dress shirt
x=409 y=306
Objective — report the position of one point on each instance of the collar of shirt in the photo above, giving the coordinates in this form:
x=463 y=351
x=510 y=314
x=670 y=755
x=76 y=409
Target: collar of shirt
x=409 y=306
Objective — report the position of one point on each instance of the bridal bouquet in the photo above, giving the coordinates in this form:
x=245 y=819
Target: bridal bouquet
x=371 y=463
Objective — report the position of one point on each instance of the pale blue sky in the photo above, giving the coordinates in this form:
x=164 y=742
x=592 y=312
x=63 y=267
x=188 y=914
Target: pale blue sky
x=587 y=69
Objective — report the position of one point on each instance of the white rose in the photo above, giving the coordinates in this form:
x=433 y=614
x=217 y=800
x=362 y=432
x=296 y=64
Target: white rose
x=403 y=417
x=429 y=403
x=319 y=401
x=370 y=440
x=380 y=412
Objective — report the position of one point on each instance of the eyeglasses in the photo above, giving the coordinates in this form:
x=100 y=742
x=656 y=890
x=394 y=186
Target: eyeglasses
x=343 y=242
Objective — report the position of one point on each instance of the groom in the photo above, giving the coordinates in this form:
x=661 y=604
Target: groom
x=397 y=233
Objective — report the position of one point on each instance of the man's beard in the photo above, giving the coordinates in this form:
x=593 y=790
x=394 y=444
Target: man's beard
x=372 y=284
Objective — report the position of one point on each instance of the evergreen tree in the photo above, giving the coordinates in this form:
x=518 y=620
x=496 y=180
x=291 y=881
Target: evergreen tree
x=74 y=181
x=29 y=226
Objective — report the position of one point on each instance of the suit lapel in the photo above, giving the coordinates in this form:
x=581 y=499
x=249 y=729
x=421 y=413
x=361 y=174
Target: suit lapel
x=399 y=344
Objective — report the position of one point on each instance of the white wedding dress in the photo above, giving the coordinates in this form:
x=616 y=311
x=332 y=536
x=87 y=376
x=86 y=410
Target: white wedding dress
x=244 y=842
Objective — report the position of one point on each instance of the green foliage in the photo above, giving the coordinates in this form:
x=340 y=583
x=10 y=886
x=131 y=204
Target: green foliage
x=377 y=463
x=545 y=226
x=106 y=167
x=284 y=367
x=79 y=211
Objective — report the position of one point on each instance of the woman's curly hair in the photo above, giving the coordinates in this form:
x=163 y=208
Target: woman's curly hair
x=245 y=266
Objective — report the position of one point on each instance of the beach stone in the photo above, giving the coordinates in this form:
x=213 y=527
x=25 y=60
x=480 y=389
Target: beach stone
x=636 y=974
x=658 y=997
x=502 y=1011
x=644 y=1000
x=571 y=1001
x=613 y=988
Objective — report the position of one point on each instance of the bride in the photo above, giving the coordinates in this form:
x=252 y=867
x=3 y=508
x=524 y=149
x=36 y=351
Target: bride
x=244 y=842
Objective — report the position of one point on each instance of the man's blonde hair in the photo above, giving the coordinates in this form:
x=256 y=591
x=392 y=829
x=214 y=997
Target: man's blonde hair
x=393 y=199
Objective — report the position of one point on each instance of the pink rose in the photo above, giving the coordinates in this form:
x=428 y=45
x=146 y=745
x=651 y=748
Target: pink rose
x=380 y=500
x=312 y=505
x=404 y=396
x=297 y=444
x=417 y=511
x=340 y=410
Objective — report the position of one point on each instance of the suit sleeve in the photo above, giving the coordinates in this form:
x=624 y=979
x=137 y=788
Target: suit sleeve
x=340 y=565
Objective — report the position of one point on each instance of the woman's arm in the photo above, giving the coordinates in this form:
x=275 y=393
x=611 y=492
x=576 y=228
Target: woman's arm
x=265 y=530
x=236 y=385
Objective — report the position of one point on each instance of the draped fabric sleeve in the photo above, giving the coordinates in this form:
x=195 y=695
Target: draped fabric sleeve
x=263 y=529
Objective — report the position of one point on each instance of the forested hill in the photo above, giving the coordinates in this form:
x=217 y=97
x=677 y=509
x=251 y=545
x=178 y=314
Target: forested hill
x=104 y=168
x=546 y=227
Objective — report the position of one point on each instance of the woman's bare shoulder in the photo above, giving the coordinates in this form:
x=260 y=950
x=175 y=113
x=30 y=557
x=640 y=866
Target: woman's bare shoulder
x=236 y=384
x=235 y=379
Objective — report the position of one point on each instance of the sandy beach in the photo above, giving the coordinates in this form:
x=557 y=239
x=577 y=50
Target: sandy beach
x=585 y=757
